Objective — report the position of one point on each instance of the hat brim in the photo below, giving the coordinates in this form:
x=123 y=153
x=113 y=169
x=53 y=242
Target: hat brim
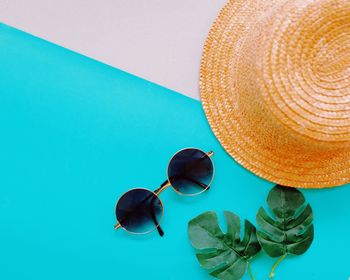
x=221 y=53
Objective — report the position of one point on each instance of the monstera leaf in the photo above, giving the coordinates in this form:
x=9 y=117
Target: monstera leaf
x=290 y=231
x=224 y=254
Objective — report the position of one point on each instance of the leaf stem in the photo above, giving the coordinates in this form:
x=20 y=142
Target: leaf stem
x=272 y=273
x=250 y=271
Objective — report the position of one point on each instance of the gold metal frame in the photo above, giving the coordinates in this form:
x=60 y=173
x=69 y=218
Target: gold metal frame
x=118 y=225
x=163 y=188
x=209 y=154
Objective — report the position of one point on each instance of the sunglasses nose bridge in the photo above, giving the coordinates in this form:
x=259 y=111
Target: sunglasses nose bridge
x=163 y=187
x=117 y=226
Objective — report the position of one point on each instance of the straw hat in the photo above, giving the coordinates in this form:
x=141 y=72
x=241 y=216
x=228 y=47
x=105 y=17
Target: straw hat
x=275 y=87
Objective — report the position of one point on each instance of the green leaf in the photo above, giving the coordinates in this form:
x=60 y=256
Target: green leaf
x=224 y=254
x=291 y=230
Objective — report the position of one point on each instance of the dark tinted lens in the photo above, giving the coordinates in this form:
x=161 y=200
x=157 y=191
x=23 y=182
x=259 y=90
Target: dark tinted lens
x=190 y=171
x=139 y=211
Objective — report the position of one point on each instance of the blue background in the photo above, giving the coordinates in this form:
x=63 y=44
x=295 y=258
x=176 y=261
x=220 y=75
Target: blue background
x=75 y=134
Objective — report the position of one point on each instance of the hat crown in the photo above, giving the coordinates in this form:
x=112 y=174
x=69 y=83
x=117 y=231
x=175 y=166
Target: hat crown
x=297 y=68
x=275 y=86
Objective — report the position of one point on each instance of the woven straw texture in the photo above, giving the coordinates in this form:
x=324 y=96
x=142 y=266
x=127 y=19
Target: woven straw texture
x=275 y=87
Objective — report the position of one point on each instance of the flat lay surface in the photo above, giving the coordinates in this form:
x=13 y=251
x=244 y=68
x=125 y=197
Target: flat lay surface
x=160 y=41
x=76 y=134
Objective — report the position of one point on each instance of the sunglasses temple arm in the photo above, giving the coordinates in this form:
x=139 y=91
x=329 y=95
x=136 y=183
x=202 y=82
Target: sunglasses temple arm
x=204 y=186
x=154 y=218
x=160 y=231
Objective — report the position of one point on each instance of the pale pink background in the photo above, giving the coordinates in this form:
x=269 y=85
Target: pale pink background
x=160 y=40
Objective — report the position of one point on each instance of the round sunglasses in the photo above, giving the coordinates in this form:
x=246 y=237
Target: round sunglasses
x=190 y=172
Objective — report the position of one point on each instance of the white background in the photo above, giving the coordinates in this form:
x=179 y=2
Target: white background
x=159 y=40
